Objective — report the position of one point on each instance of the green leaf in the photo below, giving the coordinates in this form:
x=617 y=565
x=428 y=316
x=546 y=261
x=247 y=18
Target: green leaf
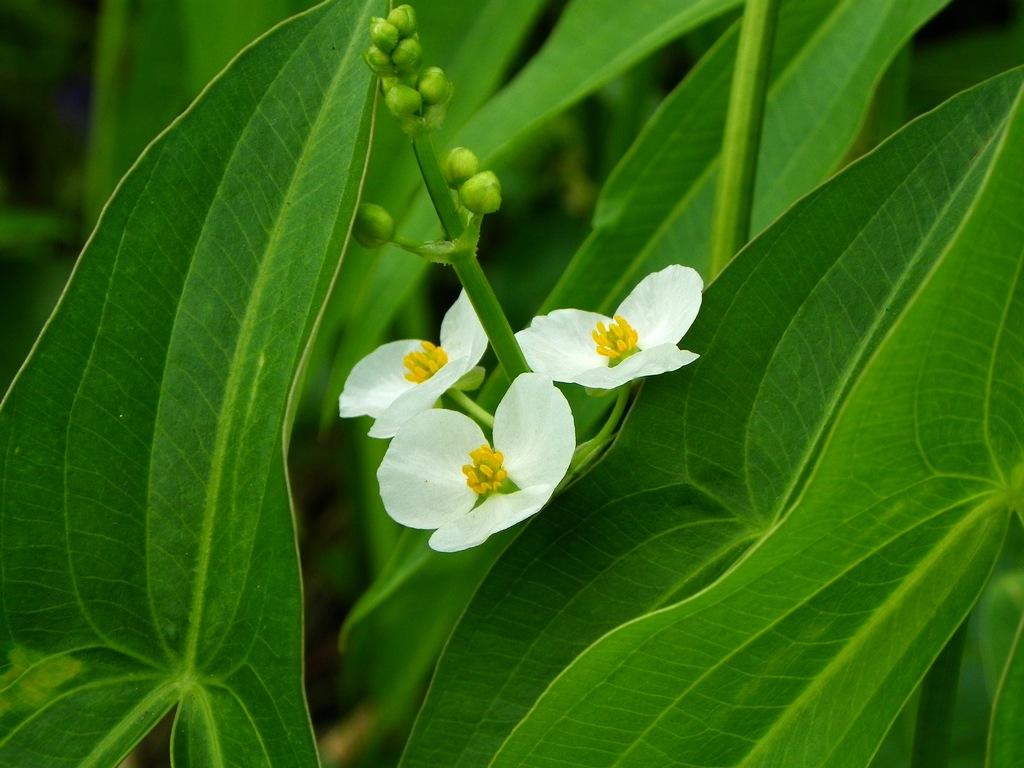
x=152 y=59
x=1006 y=742
x=656 y=207
x=888 y=111
x=855 y=383
x=147 y=546
x=594 y=41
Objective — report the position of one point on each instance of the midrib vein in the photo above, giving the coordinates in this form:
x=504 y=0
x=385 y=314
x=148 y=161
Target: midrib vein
x=234 y=387
x=193 y=628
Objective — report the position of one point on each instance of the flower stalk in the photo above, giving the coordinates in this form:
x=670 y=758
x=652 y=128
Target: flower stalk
x=586 y=452
x=395 y=55
x=437 y=187
x=465 y=263
x=488 y=309
x=481 y=416
x=734 y=197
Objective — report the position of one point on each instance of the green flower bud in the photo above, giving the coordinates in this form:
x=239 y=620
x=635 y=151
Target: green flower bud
x=459 y=165
x=403 y=101
x=407 y=54
x=383 y=34
x=481 y=193
x=374 y=226
x=434 y=86
x=379 y=61
x=403 y=18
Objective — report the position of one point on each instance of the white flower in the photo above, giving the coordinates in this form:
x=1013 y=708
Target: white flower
x=440 y=471
x=400 y=379
x=639 y=340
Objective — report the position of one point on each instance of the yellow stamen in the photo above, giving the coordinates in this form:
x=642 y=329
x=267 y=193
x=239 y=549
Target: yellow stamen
x=422 y=365
x=616 y=341
x=486 y=474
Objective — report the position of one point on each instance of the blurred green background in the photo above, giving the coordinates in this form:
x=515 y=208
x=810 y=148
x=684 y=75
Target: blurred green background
x=84 y=86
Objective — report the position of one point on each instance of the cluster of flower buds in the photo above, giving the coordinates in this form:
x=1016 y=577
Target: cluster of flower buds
x=479 y=191
x=417 y=96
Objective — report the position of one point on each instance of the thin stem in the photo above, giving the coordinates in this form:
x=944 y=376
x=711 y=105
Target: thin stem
x=612 y=422
x=408 y=243
x=488 y=309
x=933 y=732
x=585 y=452
x=436 y=251
x=437 y=187
x=734 y=197
x=467 y=404
x=463 y=259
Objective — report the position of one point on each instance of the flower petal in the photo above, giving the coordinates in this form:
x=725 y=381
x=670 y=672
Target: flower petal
x=419 y=398
x=560 y=344
x=663 y=305
x=646 y=362
x=421 y=480
x=533 y=428
x=498 y=512
x=462 y=335
x=377 y=380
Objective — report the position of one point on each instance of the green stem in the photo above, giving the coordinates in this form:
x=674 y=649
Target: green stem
x=932 y=735
x=467 y=404
x=585 y=452
x=612 y=422
x=435 y=251
x=463 y=259
x=488 y=309
x=734 y=197
x=437 y=187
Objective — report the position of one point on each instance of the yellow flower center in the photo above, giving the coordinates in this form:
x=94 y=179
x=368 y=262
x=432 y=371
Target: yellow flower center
x=616 y=341
x=421 y=365
x=486 y=474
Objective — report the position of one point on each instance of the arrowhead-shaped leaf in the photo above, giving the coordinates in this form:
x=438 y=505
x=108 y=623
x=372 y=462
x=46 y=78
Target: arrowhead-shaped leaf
x=856 y=412
x=147 y=546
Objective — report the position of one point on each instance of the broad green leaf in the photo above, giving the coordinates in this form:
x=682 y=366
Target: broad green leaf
x=656 y=207
x=835 y=352
x=1006 y=739
x=594 y=41
x=889 y=109
x=148 y=550
x=152 y=59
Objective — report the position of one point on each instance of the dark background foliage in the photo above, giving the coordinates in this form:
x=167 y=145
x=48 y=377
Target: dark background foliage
x=85 y=85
